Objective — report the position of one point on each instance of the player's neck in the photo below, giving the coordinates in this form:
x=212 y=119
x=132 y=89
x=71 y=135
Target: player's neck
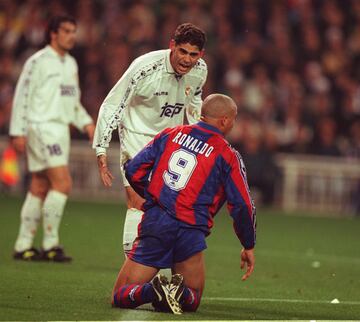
x=215 y=122
x=61 y=52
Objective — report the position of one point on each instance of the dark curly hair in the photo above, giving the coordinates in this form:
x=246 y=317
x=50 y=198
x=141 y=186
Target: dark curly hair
x=54 y=24
x=189 y=33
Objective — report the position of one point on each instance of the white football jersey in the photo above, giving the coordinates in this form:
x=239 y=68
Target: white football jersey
x=150 y=97
x=47 y=91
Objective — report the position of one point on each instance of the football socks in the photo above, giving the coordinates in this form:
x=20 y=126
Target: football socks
x=29 y=220
x=53 y=209
x=132 y=220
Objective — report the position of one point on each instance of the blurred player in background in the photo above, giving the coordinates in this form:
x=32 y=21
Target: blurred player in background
x=47 y=100
x=193 y=172
x=156 y=92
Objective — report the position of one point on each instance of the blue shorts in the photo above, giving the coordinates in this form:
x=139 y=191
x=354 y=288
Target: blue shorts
x=163 y=240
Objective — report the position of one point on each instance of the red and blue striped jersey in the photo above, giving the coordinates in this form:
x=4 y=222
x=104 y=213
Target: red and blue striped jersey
x=190 y=171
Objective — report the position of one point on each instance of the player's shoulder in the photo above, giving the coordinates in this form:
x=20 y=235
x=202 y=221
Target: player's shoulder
x=200 y=68
x=174 y=129
x=37 y=57
x=228 y=152
x=156 y=57
x=148 y=64
x=72 y=61
x=71 y=58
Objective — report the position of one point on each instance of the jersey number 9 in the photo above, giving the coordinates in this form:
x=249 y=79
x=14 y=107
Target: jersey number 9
x=181 y=166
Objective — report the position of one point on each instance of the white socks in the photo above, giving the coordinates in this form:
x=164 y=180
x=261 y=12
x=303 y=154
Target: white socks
x=30 y=218
x=132 y=220
x=53 y=209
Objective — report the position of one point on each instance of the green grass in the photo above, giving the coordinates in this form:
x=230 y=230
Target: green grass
x=284 y=286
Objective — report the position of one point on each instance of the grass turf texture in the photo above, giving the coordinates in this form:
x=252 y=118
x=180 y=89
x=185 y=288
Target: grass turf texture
x=302 y=264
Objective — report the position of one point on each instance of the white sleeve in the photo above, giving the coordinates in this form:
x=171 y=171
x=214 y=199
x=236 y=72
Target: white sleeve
x=81 y=116
x=22 y=99
x=112 y=109
x=193 y=110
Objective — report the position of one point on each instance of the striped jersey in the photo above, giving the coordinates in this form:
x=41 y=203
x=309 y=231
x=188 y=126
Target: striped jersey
x=47 y=91
x=150 y=97
x=190 y=171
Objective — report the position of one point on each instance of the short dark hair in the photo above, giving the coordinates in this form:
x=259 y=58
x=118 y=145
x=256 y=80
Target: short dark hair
x=54 y=24
x=189 y=33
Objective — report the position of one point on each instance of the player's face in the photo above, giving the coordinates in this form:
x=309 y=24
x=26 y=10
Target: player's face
x=183 y=57
x=64 y=38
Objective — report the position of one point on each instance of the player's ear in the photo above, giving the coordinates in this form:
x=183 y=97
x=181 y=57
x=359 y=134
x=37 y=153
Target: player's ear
x=172 y=44
x=202 y=52
x=223 y=121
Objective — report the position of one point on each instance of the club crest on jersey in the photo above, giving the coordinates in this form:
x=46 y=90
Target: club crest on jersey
x=187 y=90
x=169 y=110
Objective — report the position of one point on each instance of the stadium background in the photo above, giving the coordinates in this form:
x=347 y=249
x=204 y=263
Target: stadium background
x=293 y=67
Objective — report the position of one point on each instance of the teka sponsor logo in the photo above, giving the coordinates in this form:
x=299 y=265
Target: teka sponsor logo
x=67 y=90
x=162 y=93
x=169 y=110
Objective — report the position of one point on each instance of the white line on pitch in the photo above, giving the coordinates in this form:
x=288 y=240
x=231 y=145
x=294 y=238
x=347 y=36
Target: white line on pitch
x=239 y=299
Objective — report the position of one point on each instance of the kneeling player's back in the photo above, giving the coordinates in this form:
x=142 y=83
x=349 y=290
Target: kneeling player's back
x=187 y=178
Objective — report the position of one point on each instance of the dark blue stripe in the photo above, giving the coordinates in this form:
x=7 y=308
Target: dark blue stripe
x=208 y=193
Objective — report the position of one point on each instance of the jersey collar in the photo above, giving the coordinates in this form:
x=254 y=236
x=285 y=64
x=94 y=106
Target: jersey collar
x=168 y=65
x=209 y=127
x=53 y=52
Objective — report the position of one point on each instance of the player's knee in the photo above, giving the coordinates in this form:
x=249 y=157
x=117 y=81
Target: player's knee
x=39 y=188
x=63 y=186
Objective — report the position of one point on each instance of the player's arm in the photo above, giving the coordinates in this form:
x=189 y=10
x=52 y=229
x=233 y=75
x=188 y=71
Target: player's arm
x=242 y=210
x=22 y=99
x=109 y=118
x=193 y=110
x=138 y=169
x=82 y=120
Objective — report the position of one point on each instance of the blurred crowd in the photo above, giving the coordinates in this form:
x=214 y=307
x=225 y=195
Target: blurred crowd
x=292 y=66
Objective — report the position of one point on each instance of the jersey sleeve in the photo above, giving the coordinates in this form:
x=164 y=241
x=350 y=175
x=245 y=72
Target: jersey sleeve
x=81 y=116
x=24 y=92
x=138 y=169
x=193 y=110
x=240 y=205
x=112 y=109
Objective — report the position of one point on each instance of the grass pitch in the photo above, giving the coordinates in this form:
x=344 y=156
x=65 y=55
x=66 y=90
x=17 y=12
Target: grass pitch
x=303 y=263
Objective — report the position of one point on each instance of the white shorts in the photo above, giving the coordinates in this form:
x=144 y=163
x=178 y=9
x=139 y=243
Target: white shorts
x=130 y=144
x=48 y=146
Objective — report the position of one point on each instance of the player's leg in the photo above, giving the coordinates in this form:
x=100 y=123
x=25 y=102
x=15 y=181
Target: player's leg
x=132 y=287
x=53 y=209
x=153 y=249
x=30 y=217
x=193 y=272
x=189 y=262
x=130 y=145
x=132 y=218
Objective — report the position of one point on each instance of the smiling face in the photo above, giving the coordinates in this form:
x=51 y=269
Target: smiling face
x=183 y=57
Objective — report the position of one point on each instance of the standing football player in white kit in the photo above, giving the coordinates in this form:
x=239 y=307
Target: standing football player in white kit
x=47 y=100
x=156 y=92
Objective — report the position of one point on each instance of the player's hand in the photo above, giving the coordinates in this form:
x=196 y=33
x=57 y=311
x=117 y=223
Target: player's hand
x=105 y=174
x=19 y=143
x=248 y=260
x=90 y=130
